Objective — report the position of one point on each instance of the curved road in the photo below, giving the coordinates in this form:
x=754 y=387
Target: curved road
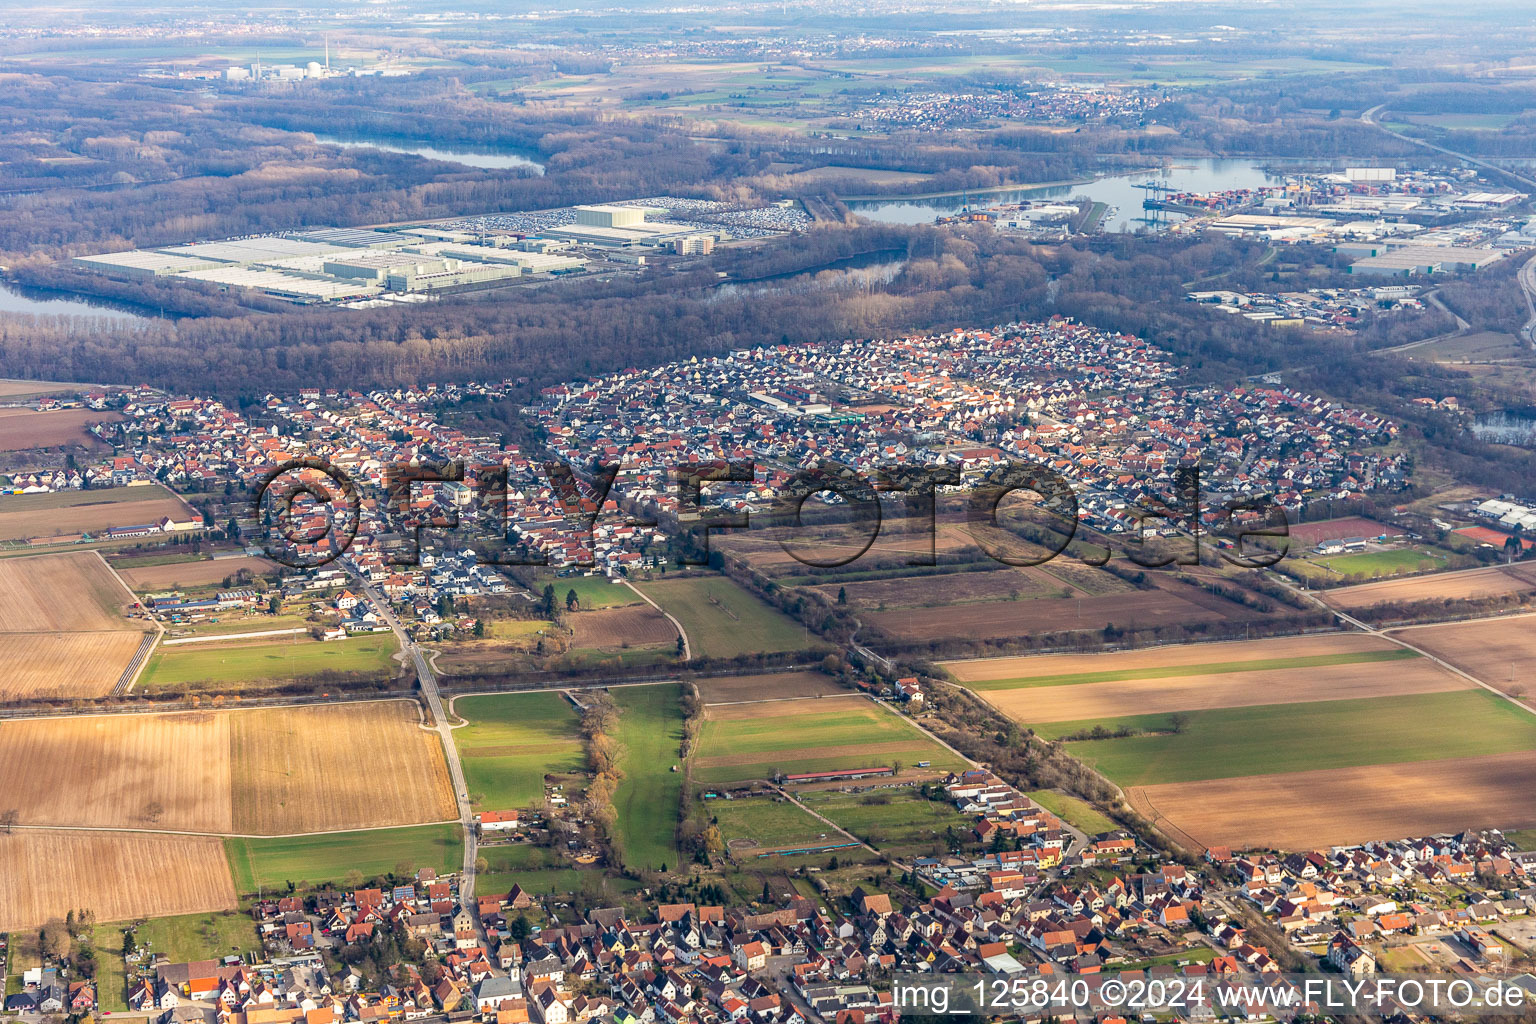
x=1369 y=117
x=450 y=750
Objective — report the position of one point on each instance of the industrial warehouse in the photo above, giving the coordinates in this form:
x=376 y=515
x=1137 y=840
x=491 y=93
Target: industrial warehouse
x=362 y=267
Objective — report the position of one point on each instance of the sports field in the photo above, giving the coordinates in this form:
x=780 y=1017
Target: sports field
x=512 y=742
x=269 y=659
x=118 y=875
x=739 y=742
x=266 y=771
x=271 y=864
x=649 y=798
x=722 y=620
x=1231 y=742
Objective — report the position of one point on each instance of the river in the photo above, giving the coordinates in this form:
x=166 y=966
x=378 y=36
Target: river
x=1118 y=191
x=468 y=157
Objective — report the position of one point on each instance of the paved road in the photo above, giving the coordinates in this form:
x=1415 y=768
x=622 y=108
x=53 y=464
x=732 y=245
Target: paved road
x=1527 y=278
x=450 y=749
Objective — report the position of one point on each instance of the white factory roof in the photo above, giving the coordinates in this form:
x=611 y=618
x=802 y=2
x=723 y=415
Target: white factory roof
x=252 y=250
x=278 y=283
x=143 y=259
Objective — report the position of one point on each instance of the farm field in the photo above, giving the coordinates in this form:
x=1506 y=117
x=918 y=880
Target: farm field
x=1231 y=742
x=739 y=742
x=201 y=573
x=72 y=513
x=16 y=389
x=1164 y=662
x=1308 y=810
x=336 y=766
x=21 y=429
x=1490 y=581
x=770 y=686
x=752 y=825
x=268 y=659
x=57 y=666
x=512 y=742
x=649 y=798
x=637 y=625
x=722 y=620
x=1299 y=682
x=898 y=820
x=1497 y=651
x=48 y=593
x=272 y=770
x=1173 y=605
x=118 y=875
x=272 y=863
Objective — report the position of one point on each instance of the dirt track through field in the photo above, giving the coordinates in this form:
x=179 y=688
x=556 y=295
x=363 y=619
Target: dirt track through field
x=1316 y=809
x=118 y=876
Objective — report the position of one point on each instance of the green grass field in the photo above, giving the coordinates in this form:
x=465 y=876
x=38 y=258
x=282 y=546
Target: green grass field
x=282 y=658
x=512 y=742
x=1271 y=738
x=766 y=822
x=649 y=798
x=1367 y=565
x=1181 y=671
x=558 y=881
x=1072 y=810
x=270 y=864
x=722 y=620
x=198 y=936
x=734 y=750
x=106 y=940
x=591 y=591
x=902 y=820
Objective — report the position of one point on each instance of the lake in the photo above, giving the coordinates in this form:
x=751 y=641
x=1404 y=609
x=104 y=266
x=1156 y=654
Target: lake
x=15 y=298
x=467 y=157
x=1119 y=191
x=1511 y=426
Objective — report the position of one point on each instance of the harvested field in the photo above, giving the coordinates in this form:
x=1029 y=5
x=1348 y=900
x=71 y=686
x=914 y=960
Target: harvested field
x=68 y=515
x=52 y=666
x=48 y=593
x=947 y=589
x=613 y=628
x=1135 y=610
x=15 y=389
x=1497 y=651
x=275 y=770
x=1308 y=810
x=1490 y=581
x=1311 y=534
x=125 y=771
x=772 y=686
x=207 y=572
x=21 y=429
x=336 y=766
x=119 y=876
x=1298 y=685
x=1031 y=670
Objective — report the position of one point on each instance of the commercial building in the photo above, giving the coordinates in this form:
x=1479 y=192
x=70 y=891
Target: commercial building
x=135 y=264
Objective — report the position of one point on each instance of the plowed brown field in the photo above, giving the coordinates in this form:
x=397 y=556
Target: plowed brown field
x=1491 y=581
x=1498 y=651
x=769 y=687
x=636 y=625
x=21 y=429
x=192 y=574
x=42 y=593
x=54 y=666
x=119 y=876
x=1317 y=809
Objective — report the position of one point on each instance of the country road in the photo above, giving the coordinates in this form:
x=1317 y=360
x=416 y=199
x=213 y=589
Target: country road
x=1527 y=278
x=450 y=750
x=1369 y=117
